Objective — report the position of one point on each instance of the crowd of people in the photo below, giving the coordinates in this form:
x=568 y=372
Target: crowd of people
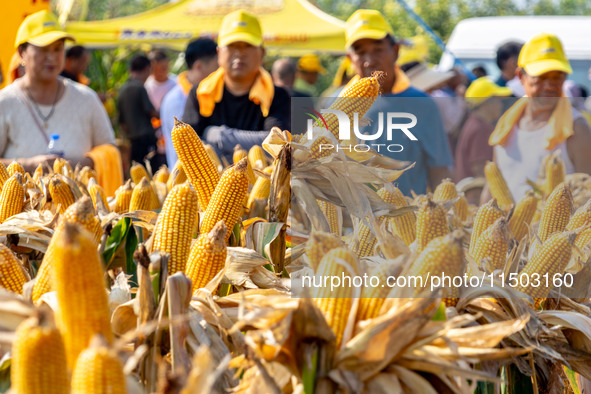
x=229 y=98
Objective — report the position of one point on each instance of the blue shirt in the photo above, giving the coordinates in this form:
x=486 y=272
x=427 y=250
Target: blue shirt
x=172 y=105
x=431 y=148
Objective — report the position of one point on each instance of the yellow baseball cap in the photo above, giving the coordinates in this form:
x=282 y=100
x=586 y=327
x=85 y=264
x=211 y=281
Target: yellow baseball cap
x=366 y=24
x=40 y=29
x=240 y=26
x=543 y=53
x=311 y=64
x=484 y=88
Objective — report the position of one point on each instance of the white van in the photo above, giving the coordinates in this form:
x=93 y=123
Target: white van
x=475 y=41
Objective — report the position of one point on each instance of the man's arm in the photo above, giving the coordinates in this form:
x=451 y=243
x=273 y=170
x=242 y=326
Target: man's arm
x=579 y=145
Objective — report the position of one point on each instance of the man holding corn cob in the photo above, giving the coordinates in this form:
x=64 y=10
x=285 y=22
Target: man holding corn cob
x=542 y=122
x=237 y=103
x=371 y=47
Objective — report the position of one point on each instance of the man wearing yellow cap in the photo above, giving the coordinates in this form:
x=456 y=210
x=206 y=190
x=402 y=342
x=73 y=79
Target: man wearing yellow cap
x=237 y=103
x=309 y=68
x=543 y=121
x=484 y=98
x=371 y=47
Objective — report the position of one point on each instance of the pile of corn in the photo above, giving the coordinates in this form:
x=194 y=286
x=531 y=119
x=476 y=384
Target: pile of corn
x=197 y=296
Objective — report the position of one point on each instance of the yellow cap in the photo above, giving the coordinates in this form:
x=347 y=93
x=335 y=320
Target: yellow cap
x=311 y=64
x=415 y=49
x=240 y=26
x=484 y=88
x=40 y=29
x=543 y=53
x=366 y=24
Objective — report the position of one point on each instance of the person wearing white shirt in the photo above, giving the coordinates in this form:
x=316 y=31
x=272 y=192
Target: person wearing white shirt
x=160 y=80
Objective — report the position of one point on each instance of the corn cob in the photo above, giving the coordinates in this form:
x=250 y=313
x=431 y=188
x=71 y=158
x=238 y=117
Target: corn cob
x=256 y=157
x=556 y=212
x=196 y=162
x=498 y=186
x=332 y=216
x=523 y=214
x=39 y=357
x=81 y=212
x=138 y=172
x=78 y=271
x=63 y=167
x=15 y=167
x=372 y=298
x=319 y=244
x=142 y=196
x=207 y=257
x=38 y=174
x=494 y=244
x=98 y=370
x=260 y=190
x=178 y=176
x=445 y=191
x=583 y=238
x=551 y=258
x=487 y=214
x=97 y=193
x=239 y=154
x=336 y=305
x=123 y=197
x=162 y=174
x=555 y=173
x=461 y=207
x=86 y=174
x=405 y=225
x=4 y=175
x=214 y=158
x=174 y=229
x=322 y=147
x=442 y=255
x=580 y=218
x=431 y=223
x=60 y=193
x=367 y=241
x=12 y=273
x=12 y=197
x=226 y=201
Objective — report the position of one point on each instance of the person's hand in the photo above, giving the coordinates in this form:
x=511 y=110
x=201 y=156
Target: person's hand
x=30 y=164
x=213 y=136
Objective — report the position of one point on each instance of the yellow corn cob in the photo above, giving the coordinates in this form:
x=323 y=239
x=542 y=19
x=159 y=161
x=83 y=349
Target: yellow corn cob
x=142 y=196
x=497 y=185
x=178 y=176
x=556 y=212
x=60 y=193
x=98 y=370
x=207 y=257
x=442 y=255
x=581 y=217
x=162 y=174
x=39 y=357
x=86 y=174
x=319 y=244
x=226 y=202
x=260 y=191
x=555 y=173
x=367 y=241
x=138 y=172
x=196 y=162
x=12 y=272
x=15 y=167
x=174 y=229
x=239 y=154
x=445 y=191
x=336 y=305
x=551 y=258
x=493 y=244
x=431 y=223
x=63 y=167
x=523 y=214
x=256 y=157
x=123 y=197
x=461 y=207
x=405 y=225
x=81 y=212
x=487 y=214
x=322 y=147
x=97 y=193
x=12 y=197
x=332 y=216
x=4 y=175
x=372 y=298
x=38 y=174
x=214 y=158
x=78 y=279
x=583 y=238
